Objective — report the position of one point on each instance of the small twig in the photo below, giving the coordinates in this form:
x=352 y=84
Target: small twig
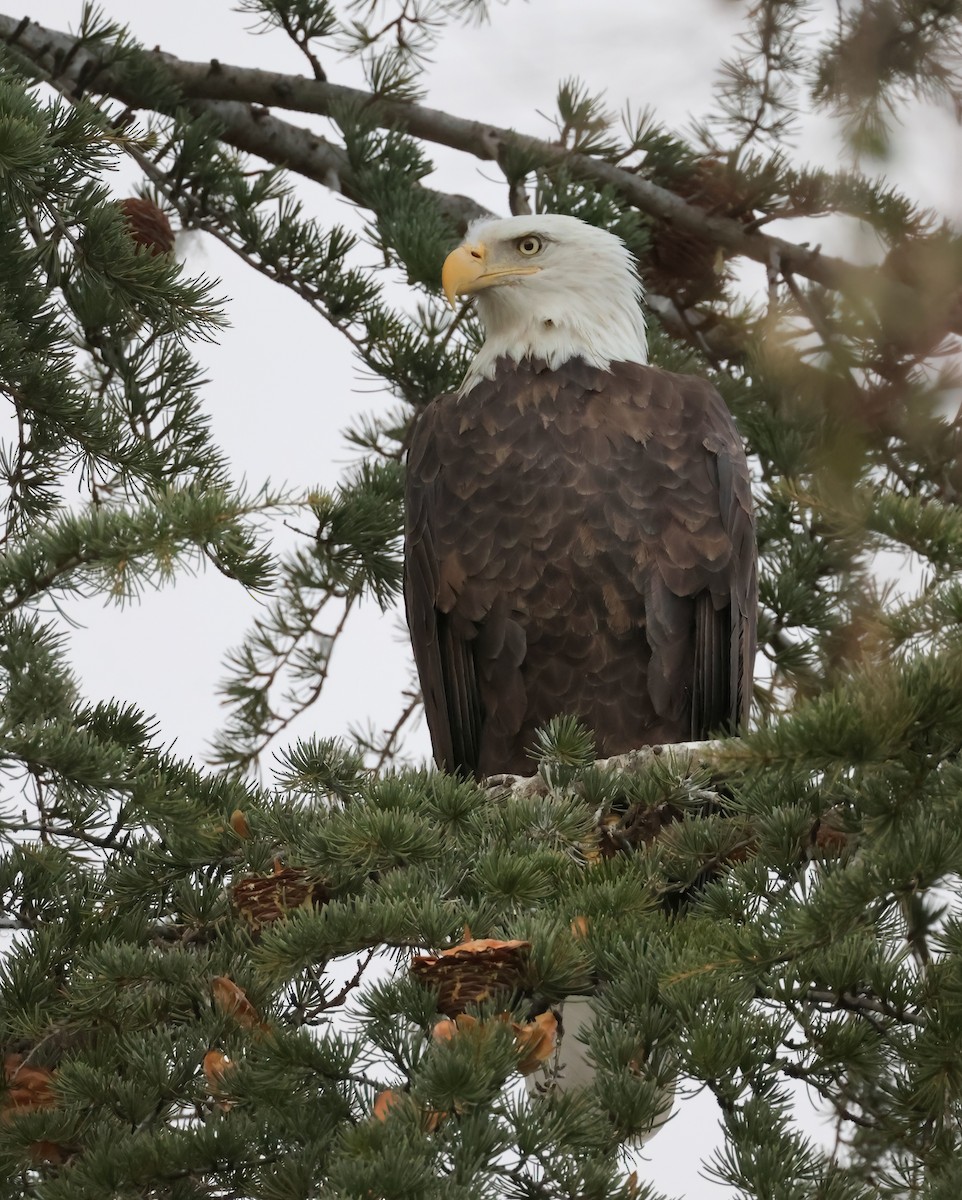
x=353 y=982
x=518 y=201
x=388 y=750
x=47 y=832
x=300 y=703
x=859 y=1002
x=302 y=42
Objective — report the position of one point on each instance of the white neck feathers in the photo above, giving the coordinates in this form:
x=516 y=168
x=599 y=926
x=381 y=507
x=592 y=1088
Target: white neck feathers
x=584 y=303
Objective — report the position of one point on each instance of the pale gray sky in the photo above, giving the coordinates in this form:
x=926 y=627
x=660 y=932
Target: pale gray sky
x=282 y=384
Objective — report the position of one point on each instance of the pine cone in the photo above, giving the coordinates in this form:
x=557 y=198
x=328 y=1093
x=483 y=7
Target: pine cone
x=148 y=224
x=473 y=972
x=536 y=1041
x=680 y=263
x=27 y=1087
x=261 y=899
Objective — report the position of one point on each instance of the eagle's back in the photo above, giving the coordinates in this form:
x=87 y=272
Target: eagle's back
x=578 y=541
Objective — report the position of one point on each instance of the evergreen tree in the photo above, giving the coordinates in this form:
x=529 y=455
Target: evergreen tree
x=746 y=916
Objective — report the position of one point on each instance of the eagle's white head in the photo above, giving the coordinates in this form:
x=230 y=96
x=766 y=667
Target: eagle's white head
x=548 y=287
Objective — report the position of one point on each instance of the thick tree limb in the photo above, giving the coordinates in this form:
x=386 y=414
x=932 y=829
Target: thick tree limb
x=228 y=91
x=680 y=755
x=244 y=126
x=255 y=131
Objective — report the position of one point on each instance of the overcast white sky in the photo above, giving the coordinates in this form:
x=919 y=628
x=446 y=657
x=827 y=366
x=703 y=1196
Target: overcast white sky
x=282 y=384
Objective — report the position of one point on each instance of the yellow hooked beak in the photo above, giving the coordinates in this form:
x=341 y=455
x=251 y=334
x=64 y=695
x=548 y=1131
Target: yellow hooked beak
x=467 y=270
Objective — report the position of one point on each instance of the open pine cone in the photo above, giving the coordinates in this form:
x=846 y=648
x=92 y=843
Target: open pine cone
x=472 y=972
x=261 y=899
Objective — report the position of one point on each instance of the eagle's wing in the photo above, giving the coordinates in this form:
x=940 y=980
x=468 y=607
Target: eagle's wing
x=730 y=631
x=445 y=658
x=703 y=594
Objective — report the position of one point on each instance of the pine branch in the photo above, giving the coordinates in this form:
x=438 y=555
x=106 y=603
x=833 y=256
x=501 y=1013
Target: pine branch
x=214 y=83
x=282 y=645
x=283 y=664
x=883 y=53
x=757 y=88
x=387 y=747
x=116 y=550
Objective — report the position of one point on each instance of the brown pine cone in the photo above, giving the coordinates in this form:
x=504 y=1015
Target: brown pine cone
x=148 y=224
x=475 y=971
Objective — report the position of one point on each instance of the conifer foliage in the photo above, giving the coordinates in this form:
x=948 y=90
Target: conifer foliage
x=327 y=976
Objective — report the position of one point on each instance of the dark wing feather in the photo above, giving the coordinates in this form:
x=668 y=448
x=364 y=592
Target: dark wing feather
x=714 y=699
x=715 y=685
x=701 y=600
x=462 y=698
x=445 y=659
x=725 y=630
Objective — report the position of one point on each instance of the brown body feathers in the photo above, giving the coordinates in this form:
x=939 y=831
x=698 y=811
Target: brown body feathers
x=578 y=541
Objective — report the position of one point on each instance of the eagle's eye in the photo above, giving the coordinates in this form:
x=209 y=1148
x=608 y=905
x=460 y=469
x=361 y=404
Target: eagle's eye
x=529 y=245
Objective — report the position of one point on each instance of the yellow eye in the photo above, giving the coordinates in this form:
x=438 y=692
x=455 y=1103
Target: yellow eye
x=529 y=245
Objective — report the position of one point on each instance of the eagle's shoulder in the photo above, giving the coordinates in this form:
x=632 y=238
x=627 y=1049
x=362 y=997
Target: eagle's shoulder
x=693 y=394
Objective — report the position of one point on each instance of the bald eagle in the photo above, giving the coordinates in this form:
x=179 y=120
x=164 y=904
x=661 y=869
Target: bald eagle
x=579 y=533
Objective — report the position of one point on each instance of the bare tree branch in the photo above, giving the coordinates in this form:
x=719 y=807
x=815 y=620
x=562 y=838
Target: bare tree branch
x=254 y=130
x=229 y=91
x=859 y=1002
x=680 y=755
